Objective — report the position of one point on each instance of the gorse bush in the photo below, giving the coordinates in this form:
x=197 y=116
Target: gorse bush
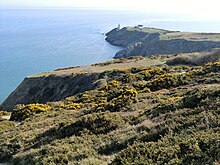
x=21 y=112
x=212 y=67
x=6 y=125
x=99 y=123
x=7 y=150
x=120 y=101
x=167 y=81
x=196 y=97
x=202 y=148
x=2 y=113
x=71 y=106
x=150 y=73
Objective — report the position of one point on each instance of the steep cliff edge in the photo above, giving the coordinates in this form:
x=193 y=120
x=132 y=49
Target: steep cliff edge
x=148 y=41
x=61 y=83
x=48 y=88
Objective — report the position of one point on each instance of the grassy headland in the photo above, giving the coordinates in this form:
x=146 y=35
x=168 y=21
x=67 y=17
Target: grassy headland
x=146 y=41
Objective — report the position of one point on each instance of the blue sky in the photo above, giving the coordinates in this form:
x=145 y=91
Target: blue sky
x=200 y=8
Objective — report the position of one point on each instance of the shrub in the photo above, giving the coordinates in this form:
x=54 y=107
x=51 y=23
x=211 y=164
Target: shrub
x=96 y=123
x=150 y=73
x=6 y=125
x=140 y=85
x=173 y=99
x=71 y=106
x=146 y=90
x=112 y=84
x=130 y=93
x=100 y=123
x=212 y=67
x=193 y=98
x=85 y=98
x=7 y=150
x=202 y=148
x=2 y=113
x=128 y=78
x=21 y=112
x=182 y=60
x=161 y=109
x=166 y=81
x=122 y=101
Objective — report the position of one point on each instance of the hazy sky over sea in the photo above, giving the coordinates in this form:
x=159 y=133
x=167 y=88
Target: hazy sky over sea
x=200 y=8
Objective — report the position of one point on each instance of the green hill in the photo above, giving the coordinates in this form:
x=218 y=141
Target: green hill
x=143 y=112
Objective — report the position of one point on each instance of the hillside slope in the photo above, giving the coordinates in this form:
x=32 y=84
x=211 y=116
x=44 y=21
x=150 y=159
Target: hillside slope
x=141 y=114
x=149 y=41
x=61 y=83
x=64 y=82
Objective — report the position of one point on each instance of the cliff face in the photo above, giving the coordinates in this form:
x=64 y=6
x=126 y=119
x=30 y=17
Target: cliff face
x=145 y=41
x=123 y=37
x=61 y=83
x=49 y=88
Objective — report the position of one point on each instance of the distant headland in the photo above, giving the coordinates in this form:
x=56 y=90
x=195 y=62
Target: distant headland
x=145 y=41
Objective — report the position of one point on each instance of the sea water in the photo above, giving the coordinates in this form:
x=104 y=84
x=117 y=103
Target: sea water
x=40 y=40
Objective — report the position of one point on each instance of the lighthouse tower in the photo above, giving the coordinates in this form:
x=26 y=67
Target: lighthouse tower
x=119 y=27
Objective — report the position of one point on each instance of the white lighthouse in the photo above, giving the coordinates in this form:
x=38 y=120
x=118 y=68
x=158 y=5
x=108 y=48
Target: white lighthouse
x=119 y=27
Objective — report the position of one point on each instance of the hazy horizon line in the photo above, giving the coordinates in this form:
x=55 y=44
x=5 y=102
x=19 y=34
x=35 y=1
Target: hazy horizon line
x=73 y=7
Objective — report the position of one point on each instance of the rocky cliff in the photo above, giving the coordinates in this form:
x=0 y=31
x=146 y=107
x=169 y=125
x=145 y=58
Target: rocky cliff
x=42 y=89
x=148 y=41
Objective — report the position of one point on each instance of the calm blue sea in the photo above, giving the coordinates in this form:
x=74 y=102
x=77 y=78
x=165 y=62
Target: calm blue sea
x=39 y=40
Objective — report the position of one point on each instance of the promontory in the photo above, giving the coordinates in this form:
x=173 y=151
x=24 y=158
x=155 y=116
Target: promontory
x=145 y=41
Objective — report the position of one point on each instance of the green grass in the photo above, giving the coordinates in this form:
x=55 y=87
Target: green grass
x=146 y=30
x=169 y=35
x=191 y=36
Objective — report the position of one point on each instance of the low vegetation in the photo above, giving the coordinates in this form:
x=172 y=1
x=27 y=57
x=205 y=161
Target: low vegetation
x=4 y=113
x=21 y=112
x=6 y=125
x=144 y=115
x=196 y=58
